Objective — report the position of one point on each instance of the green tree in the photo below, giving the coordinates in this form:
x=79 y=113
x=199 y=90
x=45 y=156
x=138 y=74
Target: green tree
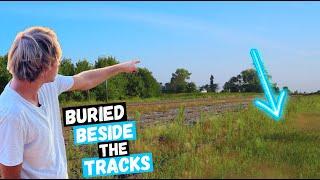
x=67 y=67
x=191 y=87
x=249 y=81
x=83 y=65
x=100 y=91
x=178 y=82
x=213 y=86
x=105 y=61
x=166 y=88
x=5 y=76
x=246 y=81
x=232 y=85
x=135 y=85
x=116 y=86
x=151 y=88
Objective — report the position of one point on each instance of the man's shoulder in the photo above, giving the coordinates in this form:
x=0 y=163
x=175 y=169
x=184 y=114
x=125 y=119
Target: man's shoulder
x=50 y=86
x=9 y=107
x=61 y=83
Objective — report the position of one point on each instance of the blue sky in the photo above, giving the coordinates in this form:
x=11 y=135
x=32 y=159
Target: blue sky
x=203 y=37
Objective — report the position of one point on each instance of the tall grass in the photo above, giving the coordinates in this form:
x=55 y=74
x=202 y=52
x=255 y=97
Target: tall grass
x=238 y=144
x=243 y=144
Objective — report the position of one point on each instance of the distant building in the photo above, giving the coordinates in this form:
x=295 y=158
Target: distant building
x=203 y=91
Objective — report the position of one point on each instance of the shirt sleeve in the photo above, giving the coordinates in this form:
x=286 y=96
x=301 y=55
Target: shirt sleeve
x=12 y=138
x=64 y=83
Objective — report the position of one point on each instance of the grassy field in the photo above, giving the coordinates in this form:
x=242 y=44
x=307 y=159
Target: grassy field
x=239 y=144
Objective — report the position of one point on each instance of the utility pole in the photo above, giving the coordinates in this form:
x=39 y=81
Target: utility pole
x=107 y=90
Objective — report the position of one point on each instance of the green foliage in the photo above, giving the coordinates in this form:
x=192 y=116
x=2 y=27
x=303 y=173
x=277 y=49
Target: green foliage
x=212 y=87
x=77 y=96
x=82 y=65
x=178 y=82
x=151 y=88
x=100 y=91
x=233 y=85
x=135 y=85
x=191 y=87
x=5 y=76
x=67 y=68
x=105 y=61
x=116 y=87
x=246 y=81
x=141 y=84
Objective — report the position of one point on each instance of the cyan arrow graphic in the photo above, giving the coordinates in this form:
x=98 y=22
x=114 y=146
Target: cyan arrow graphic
x=271 y=107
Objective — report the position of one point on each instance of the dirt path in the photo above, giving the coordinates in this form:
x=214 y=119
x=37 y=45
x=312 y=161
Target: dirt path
x=192 y=110
x=152 y=113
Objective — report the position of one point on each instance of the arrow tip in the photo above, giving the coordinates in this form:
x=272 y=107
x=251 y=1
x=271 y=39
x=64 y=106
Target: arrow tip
x=277 y=112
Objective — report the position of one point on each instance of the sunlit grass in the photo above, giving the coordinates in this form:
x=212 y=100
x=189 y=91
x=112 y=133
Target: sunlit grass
x=242 y=144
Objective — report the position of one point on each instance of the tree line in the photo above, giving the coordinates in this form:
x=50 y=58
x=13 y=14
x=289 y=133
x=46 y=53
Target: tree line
x=142 y=83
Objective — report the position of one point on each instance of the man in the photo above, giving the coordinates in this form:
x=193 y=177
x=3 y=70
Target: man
x=31 y=138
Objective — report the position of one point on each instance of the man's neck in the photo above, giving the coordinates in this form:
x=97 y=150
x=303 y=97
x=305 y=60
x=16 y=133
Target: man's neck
x=28 y=90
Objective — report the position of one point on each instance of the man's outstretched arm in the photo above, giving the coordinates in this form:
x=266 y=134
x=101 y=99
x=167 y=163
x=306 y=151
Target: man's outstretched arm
x=91 y=78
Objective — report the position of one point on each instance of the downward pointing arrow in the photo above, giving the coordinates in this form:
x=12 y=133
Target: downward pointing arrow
x=271 y=107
